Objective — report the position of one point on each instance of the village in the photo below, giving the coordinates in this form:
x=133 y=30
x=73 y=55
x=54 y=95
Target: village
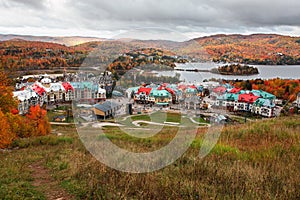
x=97 y=99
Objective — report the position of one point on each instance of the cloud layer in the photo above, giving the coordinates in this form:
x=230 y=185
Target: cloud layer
x=110 y=17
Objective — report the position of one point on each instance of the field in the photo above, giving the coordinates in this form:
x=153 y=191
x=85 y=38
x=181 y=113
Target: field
x=257 y=160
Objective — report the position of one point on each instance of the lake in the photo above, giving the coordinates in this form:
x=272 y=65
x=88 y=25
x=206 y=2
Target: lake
x=265 y=72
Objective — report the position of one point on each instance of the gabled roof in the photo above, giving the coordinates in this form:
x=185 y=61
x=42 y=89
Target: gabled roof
x=171 y=91
x=160 y=93
x=235 y=90
x=25 y=94
x=264 y=102
x=55 y=87
x=144 y=90
x=264 y=94
x=38 y=89
x=67 y=86
x=82 y=85
x=219 y=89
x=248 y=98
x=191 y=90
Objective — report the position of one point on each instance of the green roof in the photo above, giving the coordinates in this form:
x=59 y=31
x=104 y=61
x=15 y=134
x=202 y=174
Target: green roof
x=82 y=85
x=263 y=102
x=263 y=94
x=159 y=93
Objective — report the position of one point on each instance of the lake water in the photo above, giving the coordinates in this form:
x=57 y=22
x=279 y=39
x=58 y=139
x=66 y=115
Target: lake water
x=265 y=72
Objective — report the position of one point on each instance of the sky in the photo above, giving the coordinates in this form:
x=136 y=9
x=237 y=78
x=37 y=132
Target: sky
x=149 y=19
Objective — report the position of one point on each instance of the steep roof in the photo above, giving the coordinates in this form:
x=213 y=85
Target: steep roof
x=219 y=89
x=235 y=90
x=264 y=102
x=263 y=94
x=25 y=94
x=144 y=90
x=67 y=86
x=38 y=89
x=247 y=98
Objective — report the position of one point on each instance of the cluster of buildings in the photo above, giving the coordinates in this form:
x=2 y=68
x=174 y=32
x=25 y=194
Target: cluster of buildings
x=255 y=101
x=206 y=95
x=47 y=91
x=164 y=94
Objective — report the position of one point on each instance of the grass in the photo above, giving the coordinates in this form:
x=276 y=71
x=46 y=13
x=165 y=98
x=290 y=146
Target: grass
x=256 y=160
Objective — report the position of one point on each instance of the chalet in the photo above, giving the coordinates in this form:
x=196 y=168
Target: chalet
x=69 y=91
x=264 y=107
x=143 y=95
x=41 y=92
x=245 y=102
x=191 y=91
x=26 y=98
x=162 y=97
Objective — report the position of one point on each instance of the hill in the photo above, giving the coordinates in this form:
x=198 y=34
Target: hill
x=22 y=55
x=67 y=40
x=249 y=49
x=257 y=160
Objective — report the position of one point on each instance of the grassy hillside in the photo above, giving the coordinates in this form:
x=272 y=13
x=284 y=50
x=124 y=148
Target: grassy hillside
x=258 y=160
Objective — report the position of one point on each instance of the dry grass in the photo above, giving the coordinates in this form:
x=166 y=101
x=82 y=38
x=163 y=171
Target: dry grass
x=252 y=161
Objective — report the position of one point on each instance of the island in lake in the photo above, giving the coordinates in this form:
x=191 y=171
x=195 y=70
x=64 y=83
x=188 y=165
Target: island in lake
x=235 y=69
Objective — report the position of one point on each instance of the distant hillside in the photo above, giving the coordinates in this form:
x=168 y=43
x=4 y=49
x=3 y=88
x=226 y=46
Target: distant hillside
x=68 y=41
x=21 y=55
x=249 y=49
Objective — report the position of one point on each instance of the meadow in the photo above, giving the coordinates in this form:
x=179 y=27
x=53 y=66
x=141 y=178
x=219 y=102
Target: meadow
x=256 y=160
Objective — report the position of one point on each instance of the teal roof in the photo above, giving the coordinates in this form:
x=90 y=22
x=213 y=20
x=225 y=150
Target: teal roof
x=228 y=97
x=191 y=90
x=159 y=93
x=134 y=89
x=263 y=94
x=82 y=85
x=162 y=103
x=264 y=102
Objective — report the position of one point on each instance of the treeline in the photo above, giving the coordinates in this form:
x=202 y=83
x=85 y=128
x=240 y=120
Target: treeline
x=282 y=88
x=264 y=49
x=19 y=55
x=235 y=69
x=13 y=125
x=141 y=57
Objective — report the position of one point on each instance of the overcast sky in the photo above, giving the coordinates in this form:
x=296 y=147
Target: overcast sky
x=109 y=18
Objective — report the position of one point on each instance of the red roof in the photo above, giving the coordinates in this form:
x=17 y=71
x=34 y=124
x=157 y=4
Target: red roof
x=145 y=90
x=235 y=90
x=170 y=91
x=182 y=87
x=248 y=98
x=38 y=89
x=219 y=89
x=67 y=86
x=192 y=86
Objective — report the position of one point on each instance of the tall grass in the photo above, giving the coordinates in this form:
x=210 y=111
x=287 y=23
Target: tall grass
x=257 y=160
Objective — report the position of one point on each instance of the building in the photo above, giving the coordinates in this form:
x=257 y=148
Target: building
x=26 y=98
x=162 y=97
x=106 y=110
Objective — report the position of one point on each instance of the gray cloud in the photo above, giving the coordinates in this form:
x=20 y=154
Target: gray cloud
x=186 y=16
